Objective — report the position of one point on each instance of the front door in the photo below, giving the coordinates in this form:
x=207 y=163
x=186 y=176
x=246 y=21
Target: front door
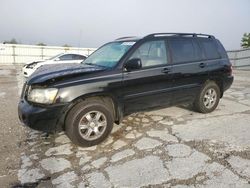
x=149 y=86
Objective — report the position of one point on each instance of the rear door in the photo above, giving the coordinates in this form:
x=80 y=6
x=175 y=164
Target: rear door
x=150 y=86
x=188 y=68
x=216 y=63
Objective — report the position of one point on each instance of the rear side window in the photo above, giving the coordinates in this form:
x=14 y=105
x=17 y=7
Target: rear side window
x=210 y=48
x=66 y=57
x=184 y=50
x=78 y=57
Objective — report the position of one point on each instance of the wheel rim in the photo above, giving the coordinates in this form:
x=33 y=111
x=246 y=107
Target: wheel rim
x=210 y=98
x=92 y=125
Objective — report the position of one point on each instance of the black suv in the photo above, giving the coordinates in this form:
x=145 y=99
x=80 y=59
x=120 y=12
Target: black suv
x=122 y=77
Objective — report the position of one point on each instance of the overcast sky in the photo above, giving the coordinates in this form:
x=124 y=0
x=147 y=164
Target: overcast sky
x=90 y=23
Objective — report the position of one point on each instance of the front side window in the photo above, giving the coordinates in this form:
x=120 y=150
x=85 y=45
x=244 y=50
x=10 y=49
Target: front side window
x=184 y=50
x=151 y=53
x=109 y=54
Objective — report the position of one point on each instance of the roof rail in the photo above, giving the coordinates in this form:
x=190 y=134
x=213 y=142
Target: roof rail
x=129 y=37
x=177 y=34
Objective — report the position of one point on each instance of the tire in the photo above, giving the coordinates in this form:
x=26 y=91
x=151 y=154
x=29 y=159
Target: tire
x=205 y=102
x=85 y=113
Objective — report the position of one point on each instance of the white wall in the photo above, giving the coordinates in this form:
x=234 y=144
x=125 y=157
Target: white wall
x=240 y=58
x=18 y=53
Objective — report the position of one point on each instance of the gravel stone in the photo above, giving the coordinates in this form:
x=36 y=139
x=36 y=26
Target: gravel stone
x=119 y=144
x=138 y=172
x=185 y=168
x=242 y=166
x=29 y=175
x=122 y=154
x=99 y=162
x=178 y=150
x=59 y=150
x=133 y=134
x=97 y=179
x=63 y=139
x=147 y=143
x=163 y=135
x=67 y=177
x=55 y=164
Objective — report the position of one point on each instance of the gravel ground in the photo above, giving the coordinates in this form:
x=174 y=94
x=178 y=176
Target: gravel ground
x=172 y=147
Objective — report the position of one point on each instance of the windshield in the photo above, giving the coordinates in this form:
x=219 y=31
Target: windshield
x=109 y=54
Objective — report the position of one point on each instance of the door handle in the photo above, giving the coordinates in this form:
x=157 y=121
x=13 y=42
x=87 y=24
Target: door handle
x=166 y=70
x=202 y=65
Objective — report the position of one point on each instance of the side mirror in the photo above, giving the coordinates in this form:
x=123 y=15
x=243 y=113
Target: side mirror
x=57 y=59
x=133 y=64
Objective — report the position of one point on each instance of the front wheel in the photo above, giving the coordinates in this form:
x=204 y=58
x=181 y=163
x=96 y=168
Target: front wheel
x=89 y=123
x=208 y=98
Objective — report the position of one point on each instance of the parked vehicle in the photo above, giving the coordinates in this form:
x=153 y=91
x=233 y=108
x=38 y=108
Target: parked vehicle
x=30 y=68
x=122 y=77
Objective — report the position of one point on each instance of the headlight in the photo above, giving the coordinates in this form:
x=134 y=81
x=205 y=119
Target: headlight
x=43 y=96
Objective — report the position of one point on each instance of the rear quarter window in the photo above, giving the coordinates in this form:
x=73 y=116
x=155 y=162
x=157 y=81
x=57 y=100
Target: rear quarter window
x=66 y=57
x=78 y=57
x=210 y=48
x=221 y=49
x=184 y=50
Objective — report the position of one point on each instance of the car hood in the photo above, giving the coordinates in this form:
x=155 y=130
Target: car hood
x=52 y=72
x=34 y=62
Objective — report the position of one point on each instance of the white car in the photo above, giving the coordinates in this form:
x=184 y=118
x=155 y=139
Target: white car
x=30 y=68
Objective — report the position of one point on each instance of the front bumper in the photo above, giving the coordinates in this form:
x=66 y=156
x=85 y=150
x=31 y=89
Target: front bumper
x=44 y=119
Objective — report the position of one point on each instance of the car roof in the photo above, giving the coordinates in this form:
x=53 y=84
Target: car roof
x=156 y=35
x=71 y=54
x=129 y=38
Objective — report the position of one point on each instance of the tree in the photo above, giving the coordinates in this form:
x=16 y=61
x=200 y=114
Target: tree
x=41 y=44
x=12 y=41
x=245 y=41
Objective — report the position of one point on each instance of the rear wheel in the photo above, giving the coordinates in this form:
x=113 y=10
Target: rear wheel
x=89 y=122
x=208 y=98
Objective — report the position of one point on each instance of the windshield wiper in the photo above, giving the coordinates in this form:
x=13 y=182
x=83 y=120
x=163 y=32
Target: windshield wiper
x=94 y=64
x=89 y=63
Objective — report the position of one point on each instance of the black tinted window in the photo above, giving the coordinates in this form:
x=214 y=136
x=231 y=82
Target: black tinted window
x=184 y=50
x=210 y=48
x=151 y=53
x=66 y=57
x=78 y=57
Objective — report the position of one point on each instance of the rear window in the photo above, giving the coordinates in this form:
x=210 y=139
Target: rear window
x=184 y=50
x=210 y=48
x=221 y=49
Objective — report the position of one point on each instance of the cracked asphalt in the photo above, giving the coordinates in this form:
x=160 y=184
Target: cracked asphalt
x=172 y=147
